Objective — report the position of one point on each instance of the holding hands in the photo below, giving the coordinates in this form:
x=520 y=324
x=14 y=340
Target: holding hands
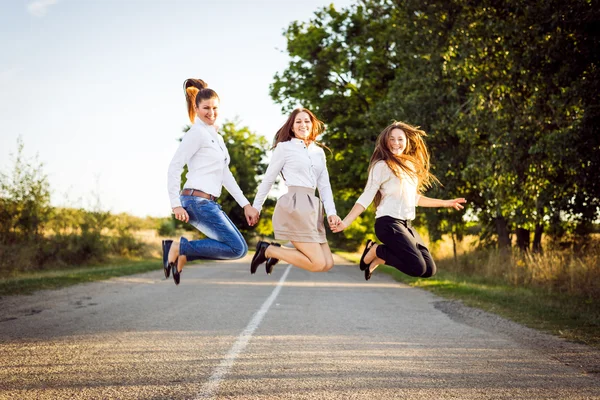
x=339 y=227
x=252 y=215
x=334 y=221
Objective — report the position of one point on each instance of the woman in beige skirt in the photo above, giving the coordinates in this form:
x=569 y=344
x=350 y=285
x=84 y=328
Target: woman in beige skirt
x=298 y=215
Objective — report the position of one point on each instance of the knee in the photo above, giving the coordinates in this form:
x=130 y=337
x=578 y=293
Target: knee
x=430 y=271
x=242 y=251
x=428 y=265
x=239 y=250
x=421 y=268
x=328 y=266
x=416 y=268
x=319 y=266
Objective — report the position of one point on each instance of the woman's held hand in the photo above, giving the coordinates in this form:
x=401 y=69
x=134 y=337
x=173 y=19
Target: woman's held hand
x=333 y=220
x=252 y=214
x=339 y=227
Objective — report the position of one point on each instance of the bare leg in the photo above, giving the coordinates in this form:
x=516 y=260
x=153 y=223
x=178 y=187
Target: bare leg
x=181 y=261
x=372 y=259
x=328 y=256
x=174 y=254
x=308 y=256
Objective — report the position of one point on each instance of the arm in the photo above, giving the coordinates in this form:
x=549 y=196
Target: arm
x=457 y=204
x=376 y=178
x=324 y=186
x=352 y=215
x=274 y=168
x=234 y=190
x=378 y=175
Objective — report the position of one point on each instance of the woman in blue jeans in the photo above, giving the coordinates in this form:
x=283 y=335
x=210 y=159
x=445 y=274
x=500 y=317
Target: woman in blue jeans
x=203 y=150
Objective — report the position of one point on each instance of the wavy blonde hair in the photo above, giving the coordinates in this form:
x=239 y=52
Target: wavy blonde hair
x=414 y=160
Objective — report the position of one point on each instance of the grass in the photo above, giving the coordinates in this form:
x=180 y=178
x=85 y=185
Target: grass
x=575 y=318
x=29 y=282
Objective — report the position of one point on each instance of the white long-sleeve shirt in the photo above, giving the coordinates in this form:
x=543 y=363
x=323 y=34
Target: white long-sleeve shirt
x=399 y=196
x=300 y=166
x=207 y=158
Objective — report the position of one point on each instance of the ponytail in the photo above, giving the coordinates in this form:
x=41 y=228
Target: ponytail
x=190 y=99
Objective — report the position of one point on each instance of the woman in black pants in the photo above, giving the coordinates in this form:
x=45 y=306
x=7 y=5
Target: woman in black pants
x=398 y=171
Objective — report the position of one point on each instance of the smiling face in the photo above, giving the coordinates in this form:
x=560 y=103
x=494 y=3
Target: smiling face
x=208 y=110
x=397 y=141
x=302 y=125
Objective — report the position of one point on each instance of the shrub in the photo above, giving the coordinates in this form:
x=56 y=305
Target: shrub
x=167 y=228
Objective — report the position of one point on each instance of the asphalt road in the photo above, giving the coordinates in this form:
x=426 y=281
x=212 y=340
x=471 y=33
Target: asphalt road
x=223 y=333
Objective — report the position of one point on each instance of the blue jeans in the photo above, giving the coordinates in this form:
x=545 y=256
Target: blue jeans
x=224 y=241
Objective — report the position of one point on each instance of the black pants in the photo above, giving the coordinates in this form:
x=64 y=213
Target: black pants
x=403 y=248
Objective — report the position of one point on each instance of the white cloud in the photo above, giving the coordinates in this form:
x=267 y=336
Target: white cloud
x=40 y=7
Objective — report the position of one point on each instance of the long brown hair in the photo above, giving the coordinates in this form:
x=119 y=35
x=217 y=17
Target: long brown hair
x=285 y=133
x=414 y=160
x=195 y=91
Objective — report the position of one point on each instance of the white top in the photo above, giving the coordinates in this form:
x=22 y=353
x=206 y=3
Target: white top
x=207 y=158
x=300 y=166
x=399 y=196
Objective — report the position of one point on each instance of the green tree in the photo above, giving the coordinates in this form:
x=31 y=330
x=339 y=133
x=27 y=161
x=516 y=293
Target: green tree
x=24 y=200
x=526 y=162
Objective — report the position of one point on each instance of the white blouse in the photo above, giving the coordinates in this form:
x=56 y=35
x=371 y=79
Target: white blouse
x=300 y=166
x=207 y=158
x=399 y=196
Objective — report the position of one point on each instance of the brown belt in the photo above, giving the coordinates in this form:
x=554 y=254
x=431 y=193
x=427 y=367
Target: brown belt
x=197 y=193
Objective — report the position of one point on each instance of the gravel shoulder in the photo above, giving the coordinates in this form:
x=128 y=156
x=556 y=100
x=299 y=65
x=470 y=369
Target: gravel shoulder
x=581 y=356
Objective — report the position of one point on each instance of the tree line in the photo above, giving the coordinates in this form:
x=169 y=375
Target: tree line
x=507 y=90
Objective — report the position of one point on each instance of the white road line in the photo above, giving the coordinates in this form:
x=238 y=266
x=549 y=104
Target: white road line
x=214 y=381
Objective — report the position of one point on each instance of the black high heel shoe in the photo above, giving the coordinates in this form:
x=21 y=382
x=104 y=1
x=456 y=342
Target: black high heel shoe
x=259 y=256
x=176 y=273
x=271 y=261
x=368 y=273
x=362 y=264
x=166 y=246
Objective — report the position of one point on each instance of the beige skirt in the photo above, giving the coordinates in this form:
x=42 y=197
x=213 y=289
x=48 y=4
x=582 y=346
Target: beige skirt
x=298 y=216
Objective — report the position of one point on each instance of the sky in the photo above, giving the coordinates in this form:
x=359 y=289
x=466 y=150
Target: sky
x=94 y=87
